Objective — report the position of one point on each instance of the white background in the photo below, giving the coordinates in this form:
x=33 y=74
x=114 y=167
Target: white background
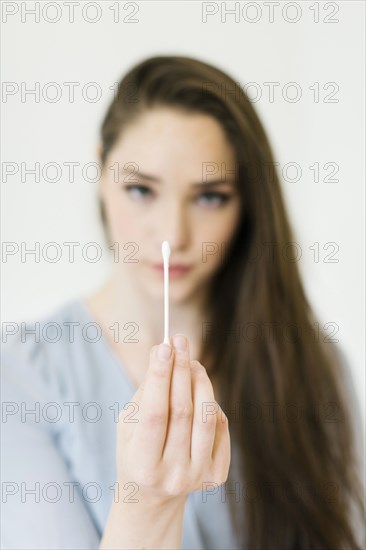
x=305 y=132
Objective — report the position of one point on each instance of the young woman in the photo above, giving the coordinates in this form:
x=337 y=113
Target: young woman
x=242 y=437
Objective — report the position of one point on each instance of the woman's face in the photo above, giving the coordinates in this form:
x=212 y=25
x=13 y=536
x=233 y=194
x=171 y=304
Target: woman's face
x=158 y=185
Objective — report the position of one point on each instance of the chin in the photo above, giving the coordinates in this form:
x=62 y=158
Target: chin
x=179 y=291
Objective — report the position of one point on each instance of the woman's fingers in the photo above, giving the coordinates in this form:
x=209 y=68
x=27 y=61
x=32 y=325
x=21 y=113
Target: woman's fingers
x=178 y=439
x=181 y=437
x=150 y=431
x=205 y=411
x=221 y=452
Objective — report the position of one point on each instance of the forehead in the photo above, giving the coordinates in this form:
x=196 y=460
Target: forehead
x=168 y=141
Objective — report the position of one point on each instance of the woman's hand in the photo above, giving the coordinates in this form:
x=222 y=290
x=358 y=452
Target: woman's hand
x=177 y=438
x=171 y=438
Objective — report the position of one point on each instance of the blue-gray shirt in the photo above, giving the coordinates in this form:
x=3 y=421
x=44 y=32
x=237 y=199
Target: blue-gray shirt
x=62 y=389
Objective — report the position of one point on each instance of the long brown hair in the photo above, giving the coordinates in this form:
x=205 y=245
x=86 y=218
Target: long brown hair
x=299 y=457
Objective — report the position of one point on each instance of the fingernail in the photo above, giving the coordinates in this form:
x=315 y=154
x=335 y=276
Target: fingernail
x=180 y=342
x=164 y=352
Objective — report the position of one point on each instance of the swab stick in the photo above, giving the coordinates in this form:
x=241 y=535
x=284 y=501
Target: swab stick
x=165 y=248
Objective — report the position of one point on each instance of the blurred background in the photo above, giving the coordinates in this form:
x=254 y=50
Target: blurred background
x=303 y=66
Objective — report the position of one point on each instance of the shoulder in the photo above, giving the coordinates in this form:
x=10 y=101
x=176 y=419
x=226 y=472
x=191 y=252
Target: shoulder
x=42 y=354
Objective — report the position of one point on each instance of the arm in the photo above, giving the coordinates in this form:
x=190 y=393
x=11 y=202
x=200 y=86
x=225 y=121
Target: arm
x=31 y=516
x=142 y=525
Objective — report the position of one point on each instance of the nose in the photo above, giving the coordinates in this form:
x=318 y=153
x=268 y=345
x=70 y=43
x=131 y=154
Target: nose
x=174 y=226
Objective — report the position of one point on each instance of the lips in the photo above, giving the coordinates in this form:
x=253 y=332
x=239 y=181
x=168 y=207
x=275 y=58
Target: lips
x=173 y=266
x=175 y=270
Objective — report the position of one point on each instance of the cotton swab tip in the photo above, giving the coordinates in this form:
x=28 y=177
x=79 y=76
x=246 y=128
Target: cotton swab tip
x=165 y=249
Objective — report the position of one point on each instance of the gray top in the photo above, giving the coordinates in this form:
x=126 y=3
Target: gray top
x=62 y=389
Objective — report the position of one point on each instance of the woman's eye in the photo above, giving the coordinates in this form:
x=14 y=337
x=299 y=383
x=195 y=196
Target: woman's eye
x=214 y=199
x=142 y=191
x=221 y=198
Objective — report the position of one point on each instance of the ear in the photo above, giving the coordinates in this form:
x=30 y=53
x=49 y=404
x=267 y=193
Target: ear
x=99 y=152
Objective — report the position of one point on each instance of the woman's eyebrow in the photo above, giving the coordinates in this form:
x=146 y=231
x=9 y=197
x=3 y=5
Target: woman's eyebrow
x=154 y=179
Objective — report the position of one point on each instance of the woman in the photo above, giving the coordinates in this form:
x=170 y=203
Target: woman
x=186 y=161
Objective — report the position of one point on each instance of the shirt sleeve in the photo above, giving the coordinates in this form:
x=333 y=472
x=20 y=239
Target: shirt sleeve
x=41 y=506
